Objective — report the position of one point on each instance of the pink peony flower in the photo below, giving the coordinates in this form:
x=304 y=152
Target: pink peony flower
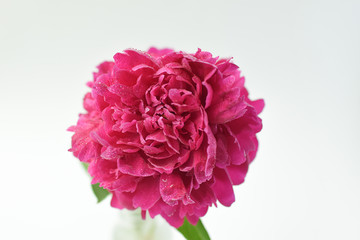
x=168 y=132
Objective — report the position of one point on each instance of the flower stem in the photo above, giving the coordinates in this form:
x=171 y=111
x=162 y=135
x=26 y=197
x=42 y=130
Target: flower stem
x=191 y=232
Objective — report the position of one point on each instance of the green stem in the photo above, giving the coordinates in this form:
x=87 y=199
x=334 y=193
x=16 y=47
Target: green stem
x=191 y=232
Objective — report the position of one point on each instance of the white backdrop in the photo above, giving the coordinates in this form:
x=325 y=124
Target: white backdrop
x=302 y=57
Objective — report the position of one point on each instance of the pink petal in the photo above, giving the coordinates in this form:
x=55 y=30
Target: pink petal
x=258 y=105
x=159 y=52
x=124 y=77
x=124 y=183
x=174 y=220
x=223 y=187
x=135 y=165
x=122 y=200
x=147 y=193
x=163 y=165
x=193 y=219
x=204 y=195
x=161 y=207
x=171 y=188
x=237 y=173
x=211 y=149
x=131 y=58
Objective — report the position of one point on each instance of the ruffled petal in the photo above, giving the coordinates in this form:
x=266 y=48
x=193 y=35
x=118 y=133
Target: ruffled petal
x=172 y=188
x=223 y=187
x=147 y=193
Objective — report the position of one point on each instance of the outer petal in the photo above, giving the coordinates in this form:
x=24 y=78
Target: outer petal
x=223 y=187
x=132 y=58
x=122 y=200
x=227 y=104
x=171 y=188
x=82 y=145
x=147 y=193
x=155 y=52
x=258 y=105
x=125 y=183
x=103 y=68
x=135 y=165
x=174 y=219
x=237 y=173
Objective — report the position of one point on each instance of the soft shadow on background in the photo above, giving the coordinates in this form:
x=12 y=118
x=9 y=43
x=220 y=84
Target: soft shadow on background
x=302 y=57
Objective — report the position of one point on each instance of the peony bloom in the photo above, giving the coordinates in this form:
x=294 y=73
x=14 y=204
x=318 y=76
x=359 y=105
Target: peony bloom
x=168 y=132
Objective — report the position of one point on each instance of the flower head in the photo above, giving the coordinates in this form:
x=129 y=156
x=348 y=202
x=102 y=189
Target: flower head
x=168 y=132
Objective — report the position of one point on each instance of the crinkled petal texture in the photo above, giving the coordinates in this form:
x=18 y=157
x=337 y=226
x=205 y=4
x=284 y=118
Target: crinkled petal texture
x=168 y=132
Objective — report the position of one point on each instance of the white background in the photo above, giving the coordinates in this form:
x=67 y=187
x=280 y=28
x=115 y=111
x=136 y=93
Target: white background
x=302 y=57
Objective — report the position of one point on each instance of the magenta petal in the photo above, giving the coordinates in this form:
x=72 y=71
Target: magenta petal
x=88 y=152
x=124 y=183
x=102 y=137
x=211 y=148
x=156 y=209
x=227 y=68
x=115 y=201
x=125 y=93
x=203 y=70
x=234 y=149
x=125 y=77
x=237 y=173
x=157 y=136
x=228 y=109
x=199 y=161
x=222 y=156
x=171 y=188
x=253 y=152
x=249 y=123
x=193 y=219
x=174 y=219
x=147 y=193
x=104 y=67
x=131 y=58
x=111 y=153
x=162 y=165
x=161 y=207
x=103 y=172
x=204 y=194
x=258 y=105
x=209 y=96
x=159 y=52
x=122 y=200
x=135 y=165
x=223 y=187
